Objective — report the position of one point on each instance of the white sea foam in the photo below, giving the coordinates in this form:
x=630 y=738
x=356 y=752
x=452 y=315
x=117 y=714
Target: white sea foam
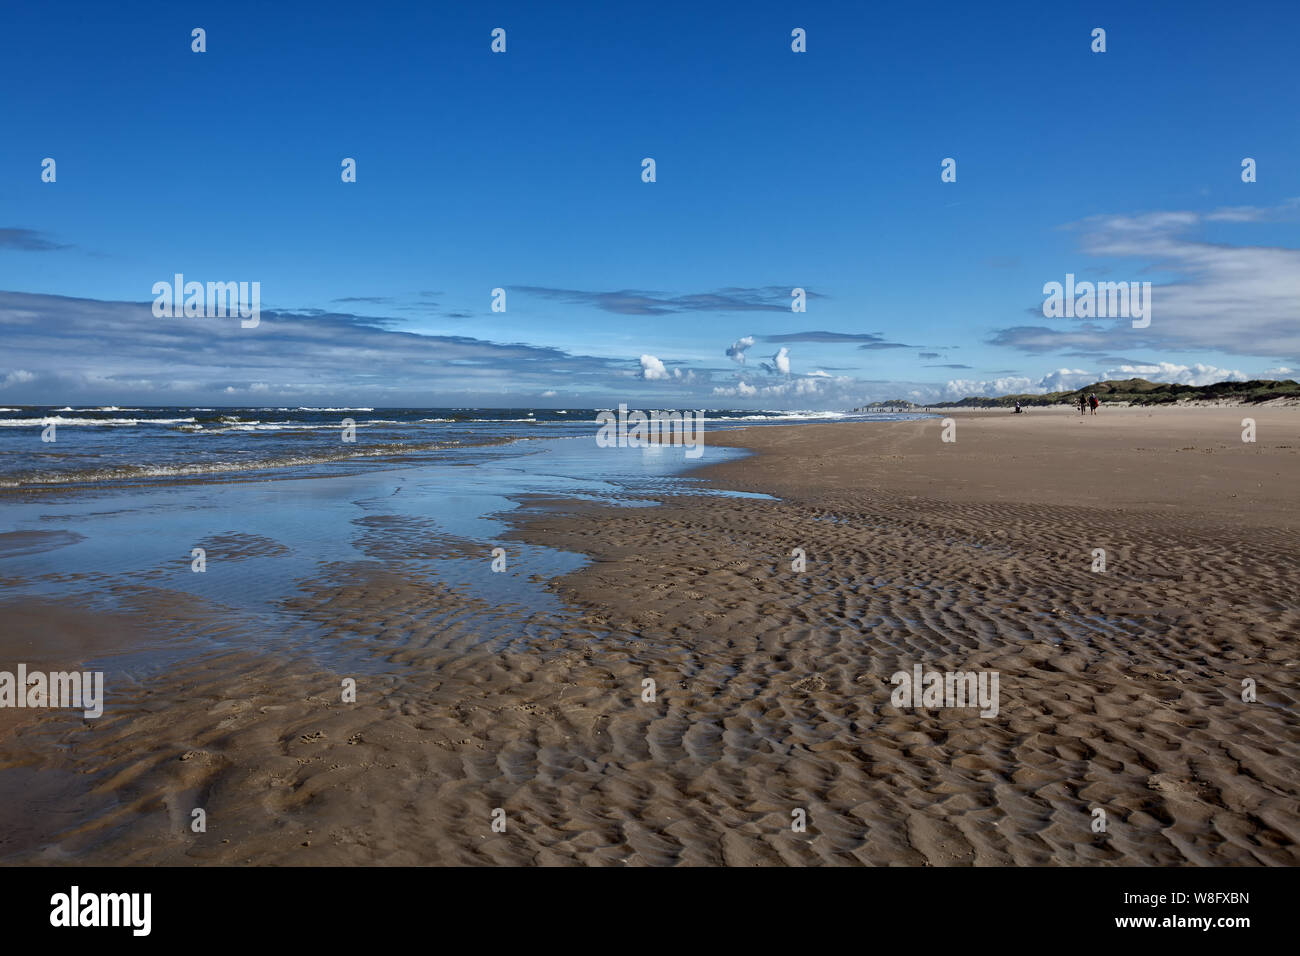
x=60 y=420
x=134 y=472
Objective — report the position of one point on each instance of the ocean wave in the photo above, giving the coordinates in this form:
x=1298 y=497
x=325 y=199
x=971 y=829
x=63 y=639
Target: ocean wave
x=778 y=416
x=42 y=420
x=258 y=426
x=94 y=408
x=482 y=421
x=198 y=469
x=267 y=427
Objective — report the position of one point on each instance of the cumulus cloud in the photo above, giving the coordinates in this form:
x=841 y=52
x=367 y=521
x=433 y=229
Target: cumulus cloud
x=960 y=388
x=1066 y=379
x=1069 y=379
x=652 y=369
x=738 y=348
x=1061 y=380
x=1197 y=374
x=805 y=387
x=780 y=362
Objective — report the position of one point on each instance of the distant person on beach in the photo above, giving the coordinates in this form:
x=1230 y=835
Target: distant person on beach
x=1092 y=401
x=1018 y=409
x=1083 y=404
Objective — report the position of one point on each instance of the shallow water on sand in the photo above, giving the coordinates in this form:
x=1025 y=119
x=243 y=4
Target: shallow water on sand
x=131 y=547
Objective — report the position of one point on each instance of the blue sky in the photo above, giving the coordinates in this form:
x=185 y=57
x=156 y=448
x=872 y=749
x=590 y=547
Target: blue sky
x=522 y=170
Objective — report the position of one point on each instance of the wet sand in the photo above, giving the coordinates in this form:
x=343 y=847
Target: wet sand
x=1119 y=690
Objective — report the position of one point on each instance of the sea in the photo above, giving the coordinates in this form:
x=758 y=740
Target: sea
x=121 y=444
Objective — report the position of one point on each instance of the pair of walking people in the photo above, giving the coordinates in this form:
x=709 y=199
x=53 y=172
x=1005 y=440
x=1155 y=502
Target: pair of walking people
x=1088 y=401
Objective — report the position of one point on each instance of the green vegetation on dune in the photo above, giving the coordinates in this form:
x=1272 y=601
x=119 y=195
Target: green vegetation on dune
x=1138 y=391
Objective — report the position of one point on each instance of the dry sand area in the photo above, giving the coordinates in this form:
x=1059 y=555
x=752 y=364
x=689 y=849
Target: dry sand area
x=1119 y=691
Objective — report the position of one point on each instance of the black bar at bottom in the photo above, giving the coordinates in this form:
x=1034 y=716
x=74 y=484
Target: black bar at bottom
x=380 y=906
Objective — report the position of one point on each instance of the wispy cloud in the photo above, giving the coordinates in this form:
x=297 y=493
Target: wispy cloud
x=874 y=346
x=65 y=346
x=1238 y=299
x=29 y=240
x=832 y=338
x=640 y=302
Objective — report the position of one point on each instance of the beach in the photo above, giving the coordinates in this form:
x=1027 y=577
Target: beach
x=771 y=597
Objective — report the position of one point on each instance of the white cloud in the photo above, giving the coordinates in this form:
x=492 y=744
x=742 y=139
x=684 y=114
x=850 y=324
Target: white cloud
x=1069 y=379
x=85 y=351
x=782 y=361
x=652 y=369
x=1238 y=214
x=959 y=388
x=738 y=348
x=780 y=364
x=1197 y=374
x=807 y=386
x=18 y=376
x=1239 y=299
x=803 y=386
x=1066 y=379
x=1061 y=380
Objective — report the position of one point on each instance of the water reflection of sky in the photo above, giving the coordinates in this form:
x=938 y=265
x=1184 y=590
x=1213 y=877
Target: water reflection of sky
x=101 y=543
